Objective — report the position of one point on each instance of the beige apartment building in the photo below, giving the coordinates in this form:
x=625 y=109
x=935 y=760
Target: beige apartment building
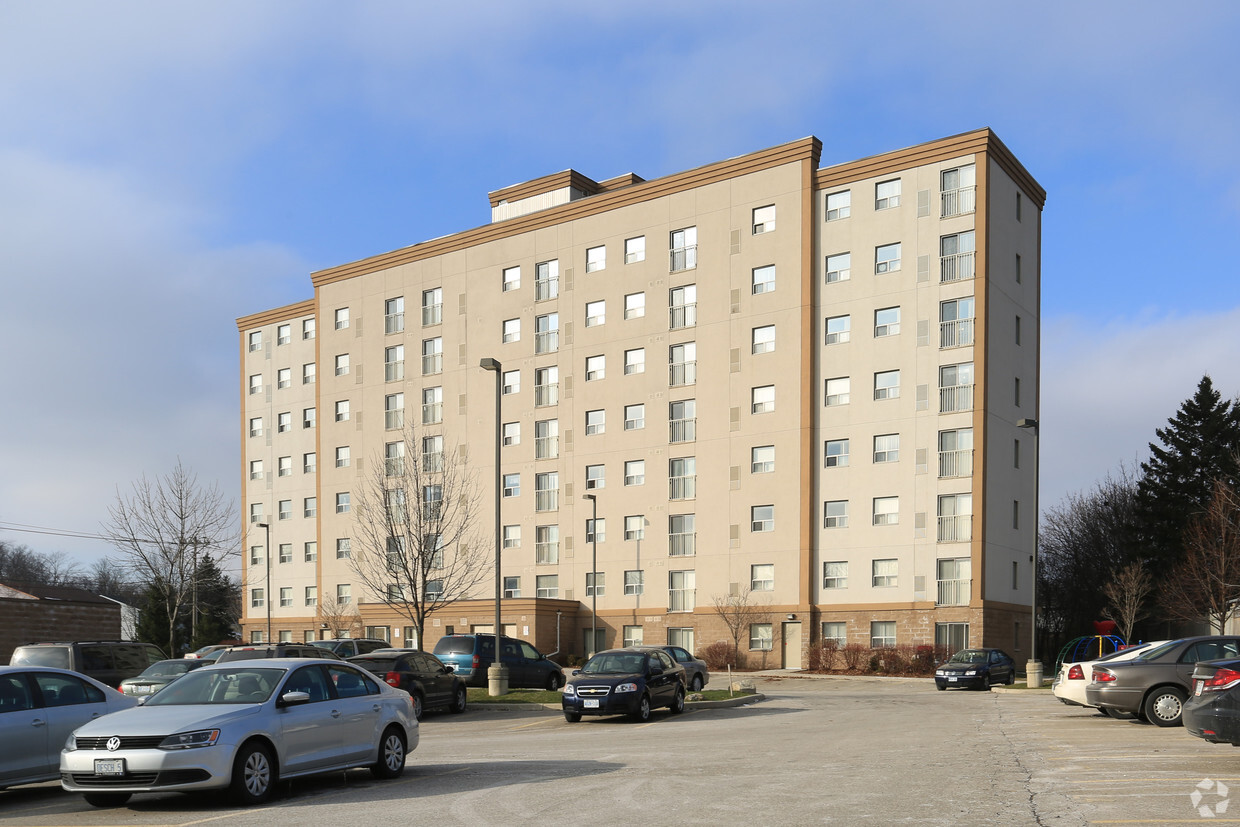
x=792 y=384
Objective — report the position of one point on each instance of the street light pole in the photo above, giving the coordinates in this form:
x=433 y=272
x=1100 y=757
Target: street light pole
x=1033 y=669
x=497 y=674
x=593 y=572
x=267 y=586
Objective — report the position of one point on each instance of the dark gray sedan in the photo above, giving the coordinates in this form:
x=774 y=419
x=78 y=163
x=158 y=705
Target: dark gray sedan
x=1154 y=685
x=696 y=673
x=158 y=675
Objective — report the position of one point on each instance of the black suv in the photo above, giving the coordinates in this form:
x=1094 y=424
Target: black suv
x=107 y=661
x=275 y=650
x=428 y=681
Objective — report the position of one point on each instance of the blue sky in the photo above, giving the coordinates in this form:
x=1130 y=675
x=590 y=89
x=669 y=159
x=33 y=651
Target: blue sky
x=166 y=168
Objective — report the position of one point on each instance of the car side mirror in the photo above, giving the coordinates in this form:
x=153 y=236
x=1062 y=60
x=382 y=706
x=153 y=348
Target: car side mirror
x=294 y=698
x=576 y=672
x=656 y=670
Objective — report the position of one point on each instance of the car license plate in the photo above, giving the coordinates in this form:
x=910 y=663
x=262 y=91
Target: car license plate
x=590 y=703
x=110 y=766
x=951 y=680
x=141 y=689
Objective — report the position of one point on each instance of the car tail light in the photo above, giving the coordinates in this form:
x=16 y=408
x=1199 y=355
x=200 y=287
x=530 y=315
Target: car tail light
x=392 y=679
x=477 y=661
x=1076 y=673
x=1103 y=677
x=1221 y=680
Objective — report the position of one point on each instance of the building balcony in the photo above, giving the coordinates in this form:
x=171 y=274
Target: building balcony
x=956 y=267
x=956 y=528
x=958 y=201
x=958 y=333
x=956 y=463
x=955 y=398
x=953 y=593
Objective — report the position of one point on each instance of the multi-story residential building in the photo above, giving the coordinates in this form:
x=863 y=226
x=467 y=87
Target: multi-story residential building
x=794 y=384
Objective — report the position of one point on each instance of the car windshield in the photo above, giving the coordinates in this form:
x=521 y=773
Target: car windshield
x=454 y=646
x=54 y=656
x=970 y=656
x=166 y=668
x=1156 y=652
x=375 y=665
x=242 y=685
x=614 y=663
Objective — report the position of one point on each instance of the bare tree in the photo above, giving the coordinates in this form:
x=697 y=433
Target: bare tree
x=1206 y=582
x=341 y=619
x=162 y=528
x=21 y=565
x=1129 y=594
x=419 y=547
x=738 y=611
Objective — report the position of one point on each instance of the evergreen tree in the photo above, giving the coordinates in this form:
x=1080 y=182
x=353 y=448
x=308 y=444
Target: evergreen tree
x=1198 y=447
x=153 y=625
x=219 y=606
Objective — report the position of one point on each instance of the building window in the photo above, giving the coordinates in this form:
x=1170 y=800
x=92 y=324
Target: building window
x=635 y=527
x=432 y=503
x=512 y=587
x=682 y=478
x=256 y=555
x=956 y=323
x=512 y=485
x=887 y=384
x=394 y=411
x=887 y=258
x=596 y=583
x=511 y=278
x=342 y=503
x=682 y=420
x=634 y=582
x=1016 y=391
x=596 y=368
x=635 y=472
x=547 y=585
x=307 y=329
x=284 y=422
x=596 y=259
x=883 y=573
x=764 y=219
x=312 y=595
x=762 y=399
x=547 y=491
x=886 y=510
x=394 y=459
x=762 y=577
x=547 y=333
x=762 y=459
x=882 y=634
x=342 y=456
x=546 y=280
x=887 y=448
x=839 y=267
x=596 y=313
x=432 y=405
x=682 y=307
x=511 y=382
x=256 y=383
x=256 y=512
x=682 y=364
x=956 y=387
x=342 y=318
x=886 y=322
x=547 y=544
x=546 y=439
x=546 y=386
x=958 y=188
x=596 y=422
x=512 y=536
x=634 y=249
x=835 y=514
x=256 y=598
x=887 y=194
x=256 y=469
x=835 y=453
x=310 y=507
x=681 y=535
x=634 y=417
x=632 y=634
x=286 y=597
x=681 y=591
x=284 y=378
x=344 y=548
x=634 y=361
x=1016 y=330
x=307 y=417
x=256 y=340
x=432 y=306
x=394 y=315
x=763 y=279
x=308 y=373
x=835 y=574
x=596 y=477
x=837 y=631
x=762 y=518
x=634 y=305
x=284 y=467
x=838 y=391
x=511 y=331
x=956 y=260
x=839 y=205
x=432 y=356
x=955 y=518
x=512 y=434
x=838 y=329
x=394 y=363
x=762 y=339
x=761 y=637
x=344 y=594
x=256 y=426
x=310 y=551
x=682 y=245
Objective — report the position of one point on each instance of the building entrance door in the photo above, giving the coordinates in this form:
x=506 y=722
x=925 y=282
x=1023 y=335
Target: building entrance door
x=792 y=646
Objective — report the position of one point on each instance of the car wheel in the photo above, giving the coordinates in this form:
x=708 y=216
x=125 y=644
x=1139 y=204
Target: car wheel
x=391 y=761
x=1011 y=678
x=419 y=705
x=572 y=717
x=696 y=686
x=106 y=799
x=940 y=686
x=253 y=775
x=985 y=687
x=678 y=702
x=642 y=713
x=1164 y=706
x=458 y=700
x=554 y=681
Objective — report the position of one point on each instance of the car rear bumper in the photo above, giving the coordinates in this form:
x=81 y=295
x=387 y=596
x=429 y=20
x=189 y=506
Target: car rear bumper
x=1216 y=719
x=1121 y=698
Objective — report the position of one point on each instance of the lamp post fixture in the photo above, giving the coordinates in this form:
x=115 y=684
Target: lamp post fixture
x=267 y=586
x=1033 y=669
x=593 y=572
x=497 y=674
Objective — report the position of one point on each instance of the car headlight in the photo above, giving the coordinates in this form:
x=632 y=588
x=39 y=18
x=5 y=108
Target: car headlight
x=626 y=687
x=191 y=740
x=569 y=689
x=71 y=743
x=971 y=672
x=939 y=673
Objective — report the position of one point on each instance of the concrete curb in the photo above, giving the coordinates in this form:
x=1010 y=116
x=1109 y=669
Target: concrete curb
x=739 y=700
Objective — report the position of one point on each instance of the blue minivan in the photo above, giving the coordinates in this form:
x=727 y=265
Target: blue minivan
x=471 y=655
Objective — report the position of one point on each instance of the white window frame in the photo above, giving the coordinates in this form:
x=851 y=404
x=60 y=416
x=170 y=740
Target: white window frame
x=763 y=220
x=835 y=514
x=838 y=205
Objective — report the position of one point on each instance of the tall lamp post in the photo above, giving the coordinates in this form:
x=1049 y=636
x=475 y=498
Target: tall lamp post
x=1033 y=669
x=497 y=674
x=593 y=572
x=267 y=586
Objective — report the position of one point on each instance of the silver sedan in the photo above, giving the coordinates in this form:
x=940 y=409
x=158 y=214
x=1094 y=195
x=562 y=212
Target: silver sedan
x=243 y=726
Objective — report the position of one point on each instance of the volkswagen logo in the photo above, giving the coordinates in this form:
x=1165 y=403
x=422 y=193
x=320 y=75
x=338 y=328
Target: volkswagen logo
x=113 y=744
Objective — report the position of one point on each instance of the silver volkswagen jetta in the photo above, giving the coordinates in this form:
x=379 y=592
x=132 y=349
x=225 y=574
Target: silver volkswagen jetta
x=243 y=726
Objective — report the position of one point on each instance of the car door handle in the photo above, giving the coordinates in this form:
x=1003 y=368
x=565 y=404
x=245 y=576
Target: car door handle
x=377 y=707
x=335 y=713
x=38 y=722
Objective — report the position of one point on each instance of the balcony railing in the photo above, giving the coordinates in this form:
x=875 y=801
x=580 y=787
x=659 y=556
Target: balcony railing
x=548 y=394
x=394 y=419
x=959 y=201
x=432 y=363
x=956 y=267
x=956 y=528
x=682 y=430
x=432 y=412
x=682 y=315
x=682 y=545
x=956 y=463
x=683 y=258
x=953 y=593
x=547 y=342
x=956 y=398
x=682 y=373
x=546 y=447
x=682 y=488
x=393 y=371
x=432 y=314
x=547 y=500
x=394 y=323
x=546 y=554
x=546 y=289
x=958 y=333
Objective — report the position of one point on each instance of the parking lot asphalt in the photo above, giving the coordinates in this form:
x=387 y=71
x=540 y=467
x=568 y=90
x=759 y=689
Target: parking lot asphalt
x=815 y=751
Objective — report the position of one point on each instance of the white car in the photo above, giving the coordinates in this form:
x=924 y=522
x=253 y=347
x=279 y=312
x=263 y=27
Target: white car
x=243 y=726
x=39 y=707
x=1069 y=685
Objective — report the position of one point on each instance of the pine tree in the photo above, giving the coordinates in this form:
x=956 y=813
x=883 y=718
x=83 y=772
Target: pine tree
x=219 y=606
x=1198 y=447
x=153 y=625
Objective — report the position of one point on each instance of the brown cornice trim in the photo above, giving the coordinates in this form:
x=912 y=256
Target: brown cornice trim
x=545 y=184
x=279 y=314
x=712 y=173
x=944 y=149
x=620 y=182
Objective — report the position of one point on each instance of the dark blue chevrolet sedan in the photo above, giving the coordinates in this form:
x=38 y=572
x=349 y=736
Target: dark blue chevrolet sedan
x=976 y=669
x=629 y=681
